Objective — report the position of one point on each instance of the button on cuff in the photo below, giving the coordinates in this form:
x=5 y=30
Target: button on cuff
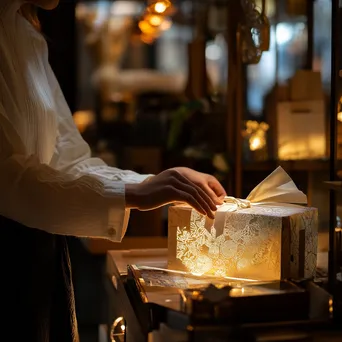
x=112 y=231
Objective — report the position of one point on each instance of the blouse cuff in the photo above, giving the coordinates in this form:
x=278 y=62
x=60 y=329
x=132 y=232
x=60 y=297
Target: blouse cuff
x=118 y=215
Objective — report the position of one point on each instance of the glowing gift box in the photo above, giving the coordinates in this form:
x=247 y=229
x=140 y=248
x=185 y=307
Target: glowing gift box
x=267 y=236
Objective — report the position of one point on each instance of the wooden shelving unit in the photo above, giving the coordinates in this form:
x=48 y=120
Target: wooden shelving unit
x=290 y=165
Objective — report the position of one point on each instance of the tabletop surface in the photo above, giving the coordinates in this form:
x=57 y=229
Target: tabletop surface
x=157 y=257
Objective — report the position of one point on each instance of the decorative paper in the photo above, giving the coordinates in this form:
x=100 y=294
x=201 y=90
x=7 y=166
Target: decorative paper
x=264 y=237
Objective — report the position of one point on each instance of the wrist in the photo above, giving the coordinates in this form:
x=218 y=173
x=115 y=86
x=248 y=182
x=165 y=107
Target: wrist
x=146 y=180
x=131 y=196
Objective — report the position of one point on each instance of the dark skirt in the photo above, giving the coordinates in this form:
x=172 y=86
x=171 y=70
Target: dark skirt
x=37 y=297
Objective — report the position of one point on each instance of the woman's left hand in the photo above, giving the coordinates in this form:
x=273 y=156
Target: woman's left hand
x=209 y=184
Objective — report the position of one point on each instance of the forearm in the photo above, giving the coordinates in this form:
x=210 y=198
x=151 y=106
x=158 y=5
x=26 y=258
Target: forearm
x=40 y=197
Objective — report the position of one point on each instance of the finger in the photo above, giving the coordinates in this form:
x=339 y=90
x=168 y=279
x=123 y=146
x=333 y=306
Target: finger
x=207 y=198
x=176 y=195
x=217 y=187
x=202 y=198
x=217 y=200
x=199 y=195
x=193 y=202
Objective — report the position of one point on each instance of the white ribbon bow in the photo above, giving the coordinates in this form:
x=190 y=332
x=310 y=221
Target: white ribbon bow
x=278 y=187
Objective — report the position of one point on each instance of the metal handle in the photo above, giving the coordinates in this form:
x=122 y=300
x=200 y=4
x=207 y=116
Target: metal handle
x=118 y=330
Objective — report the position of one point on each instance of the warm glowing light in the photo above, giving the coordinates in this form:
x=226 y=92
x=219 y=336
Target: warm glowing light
x=197 y=274
x=205 y=252
x=245 y=239
x=255 y=143
x=154 y=20
x=123 y=327
x=248 y=291
x=339 y=116
x=83 y=119
x=237 y=292
x=160 y=7
x=147 y=39
x=257 y=134
x=146 y=28
x=166 y=25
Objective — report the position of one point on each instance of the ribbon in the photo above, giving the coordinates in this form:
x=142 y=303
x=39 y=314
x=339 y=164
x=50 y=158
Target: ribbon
x=277 y=188
x=233 y=204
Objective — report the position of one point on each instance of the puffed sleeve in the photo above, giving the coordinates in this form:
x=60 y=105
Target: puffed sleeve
x=39 y=196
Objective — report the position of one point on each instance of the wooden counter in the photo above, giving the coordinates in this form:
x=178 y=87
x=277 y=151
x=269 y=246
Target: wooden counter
x=121 y=306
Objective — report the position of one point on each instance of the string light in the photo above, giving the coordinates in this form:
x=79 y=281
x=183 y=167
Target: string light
x=160 y=6
x=147 y=29
x=155 y=20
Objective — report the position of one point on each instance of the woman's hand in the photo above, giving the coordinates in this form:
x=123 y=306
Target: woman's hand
x=208 y=183
x=201 y=191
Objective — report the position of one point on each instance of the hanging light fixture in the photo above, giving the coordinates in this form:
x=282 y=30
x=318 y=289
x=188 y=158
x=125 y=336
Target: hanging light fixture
x=148 y=29
x=161 y=7
x=155 y=19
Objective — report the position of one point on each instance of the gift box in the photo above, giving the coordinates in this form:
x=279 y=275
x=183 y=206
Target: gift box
x=271 y=235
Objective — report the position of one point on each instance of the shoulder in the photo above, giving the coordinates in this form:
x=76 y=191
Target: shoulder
x=27 y=30
x=8 y=7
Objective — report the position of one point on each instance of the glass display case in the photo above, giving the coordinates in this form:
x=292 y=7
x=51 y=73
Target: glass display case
x=300 y=40
x=289 y=51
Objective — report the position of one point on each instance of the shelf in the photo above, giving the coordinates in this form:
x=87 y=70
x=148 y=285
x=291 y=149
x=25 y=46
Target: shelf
x=290 y=165
x=335 y=185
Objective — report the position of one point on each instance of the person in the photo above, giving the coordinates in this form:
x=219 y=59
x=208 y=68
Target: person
x=51 y=187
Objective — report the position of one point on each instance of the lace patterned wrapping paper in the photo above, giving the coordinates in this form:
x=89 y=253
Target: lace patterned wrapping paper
x=265 y=242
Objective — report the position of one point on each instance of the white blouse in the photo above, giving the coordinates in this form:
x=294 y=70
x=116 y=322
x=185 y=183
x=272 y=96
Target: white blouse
x=48 y=179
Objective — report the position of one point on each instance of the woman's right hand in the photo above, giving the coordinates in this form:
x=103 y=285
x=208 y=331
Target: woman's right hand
x=168 y=187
